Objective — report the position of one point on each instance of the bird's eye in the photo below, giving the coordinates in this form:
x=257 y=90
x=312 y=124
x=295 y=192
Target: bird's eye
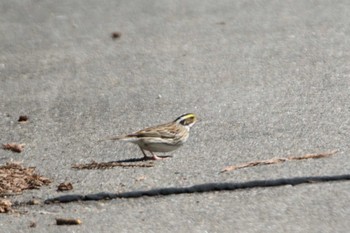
x=187 y=121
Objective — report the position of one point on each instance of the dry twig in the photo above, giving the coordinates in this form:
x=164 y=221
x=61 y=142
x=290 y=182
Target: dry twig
x=279 y=160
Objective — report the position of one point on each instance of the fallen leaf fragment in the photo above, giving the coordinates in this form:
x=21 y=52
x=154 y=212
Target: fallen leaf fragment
x=68 y=221
x=64 y=187
x=13 y=147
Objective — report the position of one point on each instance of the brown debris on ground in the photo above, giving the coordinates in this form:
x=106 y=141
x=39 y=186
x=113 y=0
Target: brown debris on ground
x=279 y=160
x=68 y=221
x=116 y=35
x=64 y=187
x=23 y=119
x=107 y=165
x=5 y=205
x=33 y=202
x=13 y=147
x=140 y=178
x=14 y=178
x=32 y=224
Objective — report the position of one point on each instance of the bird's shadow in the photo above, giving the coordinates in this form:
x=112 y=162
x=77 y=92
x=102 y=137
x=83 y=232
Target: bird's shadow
x=142 y=159
x=133 y=162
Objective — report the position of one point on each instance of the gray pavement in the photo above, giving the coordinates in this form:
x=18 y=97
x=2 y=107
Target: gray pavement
x=267 y=78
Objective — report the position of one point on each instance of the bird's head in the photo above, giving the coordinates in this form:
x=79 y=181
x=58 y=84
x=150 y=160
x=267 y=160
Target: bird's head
x=188 y=120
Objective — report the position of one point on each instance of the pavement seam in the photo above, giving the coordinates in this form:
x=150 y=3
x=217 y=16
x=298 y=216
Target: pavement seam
x=200 y=188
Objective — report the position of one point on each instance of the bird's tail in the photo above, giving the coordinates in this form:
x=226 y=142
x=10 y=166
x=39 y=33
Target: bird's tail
x=112 y=139
x=122 y=138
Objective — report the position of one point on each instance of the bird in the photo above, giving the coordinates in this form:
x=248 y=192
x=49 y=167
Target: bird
x=161 y=138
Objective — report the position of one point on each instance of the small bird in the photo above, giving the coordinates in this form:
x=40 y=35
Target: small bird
x=161 y=138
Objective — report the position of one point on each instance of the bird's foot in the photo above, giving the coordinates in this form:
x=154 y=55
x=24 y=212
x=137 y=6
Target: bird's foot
x=155 y=157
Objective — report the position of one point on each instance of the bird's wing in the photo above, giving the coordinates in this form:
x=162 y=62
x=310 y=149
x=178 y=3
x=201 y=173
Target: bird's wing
x=168 y=130
x=163 y=131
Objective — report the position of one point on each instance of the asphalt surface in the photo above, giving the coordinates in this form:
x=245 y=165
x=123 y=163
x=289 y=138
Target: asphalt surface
x=267 y=78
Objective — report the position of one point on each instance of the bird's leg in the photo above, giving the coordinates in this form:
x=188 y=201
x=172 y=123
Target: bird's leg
x=154 y=156
x=144 y=153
